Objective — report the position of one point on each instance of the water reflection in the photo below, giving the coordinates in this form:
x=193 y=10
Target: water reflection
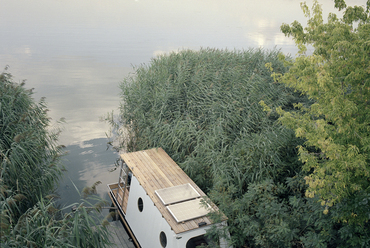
x=86 y=164
x=76 y=52
x=77 y=88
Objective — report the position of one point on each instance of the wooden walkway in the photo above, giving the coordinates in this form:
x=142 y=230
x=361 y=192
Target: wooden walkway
x=125 y=226
x=119 y=235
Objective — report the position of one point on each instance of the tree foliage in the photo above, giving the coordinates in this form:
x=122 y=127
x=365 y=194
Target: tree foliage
x=336 y=127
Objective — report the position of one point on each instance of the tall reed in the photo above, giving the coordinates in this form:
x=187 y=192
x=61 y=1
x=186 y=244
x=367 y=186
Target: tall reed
x=29 y=153
x=29 y=171
x=203 y=108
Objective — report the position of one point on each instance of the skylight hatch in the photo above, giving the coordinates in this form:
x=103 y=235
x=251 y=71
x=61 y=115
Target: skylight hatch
x=177 y=194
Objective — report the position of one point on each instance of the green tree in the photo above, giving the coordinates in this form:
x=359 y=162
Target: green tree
x=336 y=127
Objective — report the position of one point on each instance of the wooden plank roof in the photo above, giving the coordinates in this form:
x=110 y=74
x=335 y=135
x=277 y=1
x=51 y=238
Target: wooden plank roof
x=155 y=169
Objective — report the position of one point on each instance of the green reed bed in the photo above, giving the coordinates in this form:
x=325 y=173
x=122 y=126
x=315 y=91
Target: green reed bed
x=203 y=107
x=29 y=153
x=29 y=171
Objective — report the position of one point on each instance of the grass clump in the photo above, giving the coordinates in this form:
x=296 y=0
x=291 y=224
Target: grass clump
x=29 y=171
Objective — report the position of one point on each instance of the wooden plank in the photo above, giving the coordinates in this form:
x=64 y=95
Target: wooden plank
x=114 y=188
x=148 y=167
x=168 y=166
x=176 y=170
x=148 y=180
x=126 y=224
x=167 y=169
x=143 y=173
x=119 y=237
x=155 y=169
x=166 y=158
x=184 y=176
x=125 y=199
x=176 y=227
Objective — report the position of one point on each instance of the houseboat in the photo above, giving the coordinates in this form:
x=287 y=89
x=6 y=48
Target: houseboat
x=159 y=204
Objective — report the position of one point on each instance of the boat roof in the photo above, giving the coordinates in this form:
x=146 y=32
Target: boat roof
x=155 y=170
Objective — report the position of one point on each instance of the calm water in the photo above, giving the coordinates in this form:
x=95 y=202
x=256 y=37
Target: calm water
x=75 y=53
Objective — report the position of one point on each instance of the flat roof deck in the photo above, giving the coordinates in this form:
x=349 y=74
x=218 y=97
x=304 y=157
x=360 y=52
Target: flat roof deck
x=155 y=169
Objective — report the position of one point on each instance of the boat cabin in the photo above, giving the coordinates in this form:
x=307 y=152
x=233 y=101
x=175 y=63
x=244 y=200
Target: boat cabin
x=159 y=204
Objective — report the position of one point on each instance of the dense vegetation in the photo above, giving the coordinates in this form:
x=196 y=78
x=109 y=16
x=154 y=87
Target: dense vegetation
x=336 y=128
x=217 y=114
x=30 y=168
x=203 y=109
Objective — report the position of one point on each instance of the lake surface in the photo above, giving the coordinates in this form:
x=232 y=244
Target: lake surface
x=75 y=53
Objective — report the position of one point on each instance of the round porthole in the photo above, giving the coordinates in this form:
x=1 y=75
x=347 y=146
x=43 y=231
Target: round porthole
x=163 y=239
x=140 y=204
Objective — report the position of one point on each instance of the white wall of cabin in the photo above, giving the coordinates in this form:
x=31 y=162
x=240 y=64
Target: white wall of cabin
x=148 y=224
